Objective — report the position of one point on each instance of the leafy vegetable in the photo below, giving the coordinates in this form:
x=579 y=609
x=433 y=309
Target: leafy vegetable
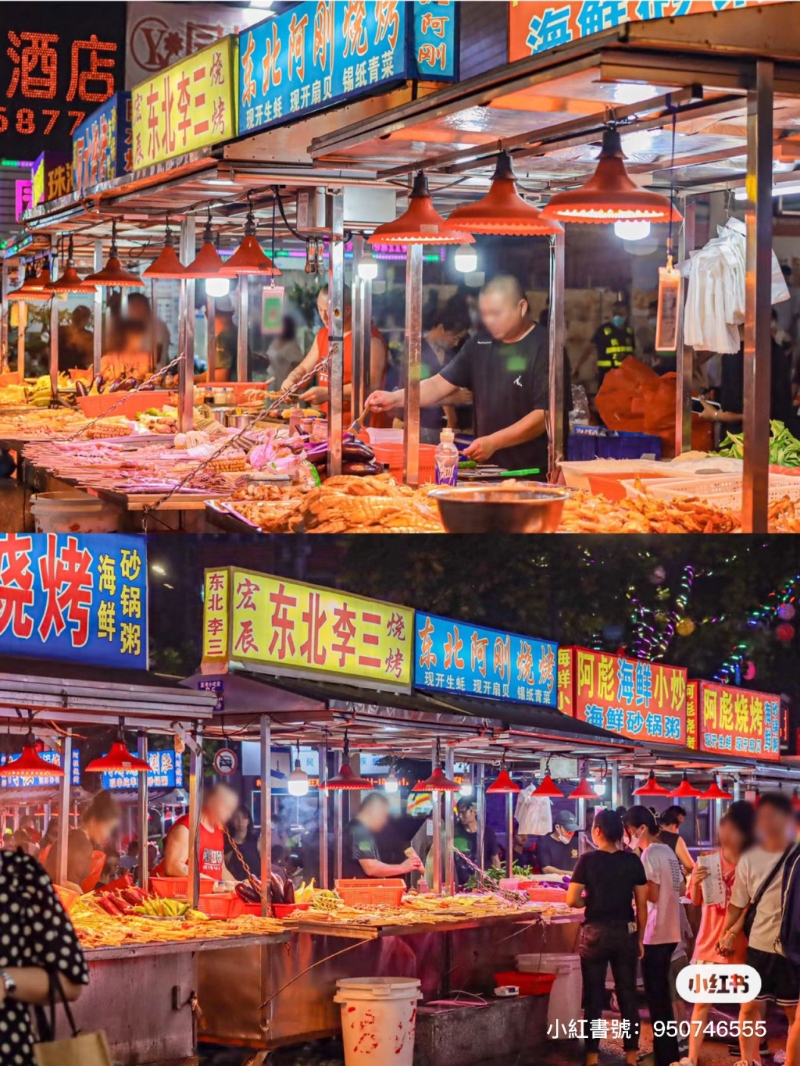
x=497 y=873
x=784 y=449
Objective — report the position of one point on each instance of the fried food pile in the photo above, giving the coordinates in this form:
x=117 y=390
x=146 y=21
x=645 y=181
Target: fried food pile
x=784 y=516
x=584 y=513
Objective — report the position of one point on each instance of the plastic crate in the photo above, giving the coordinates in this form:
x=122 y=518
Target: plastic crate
x=529 y=984
x=177 y=887
x=220 y=905
x=392 y=456
x=724 y=492
x=284 y=910
x=588 y=442
x=357 y=892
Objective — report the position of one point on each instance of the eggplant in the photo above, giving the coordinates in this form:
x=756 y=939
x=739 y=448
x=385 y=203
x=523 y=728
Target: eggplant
x=361 y=469
x=148 y=387
x=275 y=889
x=288 y=891
x=116 y=384
x=80 y=389
x=247 y=893
x=357 y=451
x=317 y=451
x=128 y=384
x=99 y=383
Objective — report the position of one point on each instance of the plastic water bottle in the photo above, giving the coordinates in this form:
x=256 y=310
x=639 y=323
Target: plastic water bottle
x=446 y=458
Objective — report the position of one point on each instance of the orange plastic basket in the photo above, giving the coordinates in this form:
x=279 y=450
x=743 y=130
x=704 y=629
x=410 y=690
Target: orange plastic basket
x=67 y=897
x=372 y=892
x=392 y=454
x=220 y=905
x=178 y=887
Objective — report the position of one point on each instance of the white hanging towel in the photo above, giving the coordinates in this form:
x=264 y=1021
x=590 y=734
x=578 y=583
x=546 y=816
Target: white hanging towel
x=533 y=813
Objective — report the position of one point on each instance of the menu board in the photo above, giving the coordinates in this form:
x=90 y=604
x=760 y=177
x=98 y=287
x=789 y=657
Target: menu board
x=739 y=721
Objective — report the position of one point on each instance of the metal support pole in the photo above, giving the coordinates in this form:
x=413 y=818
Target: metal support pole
x=186 y=365
x=758 y=294
x=413 y=364
x=266 y=810
x=323 y=818
x=510 y=832
x=366 y=303
x=737 y=788
x=211 y=338
x=581 y=826
x=63 y=820
x=334 y=206
x=684 y=361
x=97 y=317
x=143 y=812
x=195 y=807
x=360 y=329
x=449 y=829
x=338 y=824
x=480 y=808
x=243 y=330
x=558 y=426
x=54 y=327
x=615 y=800
x=22 y=323
x=5 y=355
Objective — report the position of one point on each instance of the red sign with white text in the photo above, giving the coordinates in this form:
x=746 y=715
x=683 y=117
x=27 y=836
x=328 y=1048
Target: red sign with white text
x=739 y=722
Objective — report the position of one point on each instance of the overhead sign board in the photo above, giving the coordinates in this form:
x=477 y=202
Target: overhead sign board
x=42 y=780
x=189 y=105
x=469 y=660
x=166 y=772
x=630 y=697
x=323 y=52
x=738 y=722
x=101 y=146
x=303 y=630
x=72 y=597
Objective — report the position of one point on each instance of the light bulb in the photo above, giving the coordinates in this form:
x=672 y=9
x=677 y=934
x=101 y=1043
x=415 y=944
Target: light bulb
x=600 y=786
x=391 y=784
x=218 y=286
x=466 y=787
x=632 y=229
x=465 y=259
x=297 y=781
x=367 y=267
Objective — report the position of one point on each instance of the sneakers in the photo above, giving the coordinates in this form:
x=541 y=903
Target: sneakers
x=763 y=1049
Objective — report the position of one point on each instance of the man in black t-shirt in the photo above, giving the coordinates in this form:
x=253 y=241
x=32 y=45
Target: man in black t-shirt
x=505 y=367
x=558 y=851
x=465 y=840
x=360 y=854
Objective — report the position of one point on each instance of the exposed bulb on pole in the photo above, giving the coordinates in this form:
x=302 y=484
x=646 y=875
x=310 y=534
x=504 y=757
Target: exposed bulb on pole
x=465 y=259
x=218 y=286
x=632 y=229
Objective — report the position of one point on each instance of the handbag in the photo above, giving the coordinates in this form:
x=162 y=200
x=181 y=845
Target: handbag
x=79 y=1049
x=750 y=916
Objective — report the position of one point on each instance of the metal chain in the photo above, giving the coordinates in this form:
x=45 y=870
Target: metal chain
x=251 y=878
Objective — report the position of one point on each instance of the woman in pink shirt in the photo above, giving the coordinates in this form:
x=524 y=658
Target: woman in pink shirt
x=735 y=837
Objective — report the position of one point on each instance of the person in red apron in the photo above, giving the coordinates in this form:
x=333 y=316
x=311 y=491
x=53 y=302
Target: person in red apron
x=86 y=857
x=219 y=806
x=317 y=395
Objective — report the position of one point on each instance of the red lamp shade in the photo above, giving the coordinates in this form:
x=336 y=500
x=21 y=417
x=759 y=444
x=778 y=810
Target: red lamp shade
x=685 y=790
x=248 y=257
x=347 y=781
x=208 y=262
x=114 y=275
x=167 y=266
x=548 y=787
x=503 y=784
x=420 y=786
x=118 y=760
x=69 y=280
x=583 y=791
x=32 y=288
x=421 y=223
x=440 y=782
x=610 y=195
x=651 y=787
x=715 y=792
x=502 y=210
x=30 y=763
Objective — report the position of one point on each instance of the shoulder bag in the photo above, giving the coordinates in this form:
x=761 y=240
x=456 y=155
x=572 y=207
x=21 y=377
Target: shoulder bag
x=79 y=1049
x=750 y=916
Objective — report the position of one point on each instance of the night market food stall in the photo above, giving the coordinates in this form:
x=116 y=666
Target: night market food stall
x=640 y=78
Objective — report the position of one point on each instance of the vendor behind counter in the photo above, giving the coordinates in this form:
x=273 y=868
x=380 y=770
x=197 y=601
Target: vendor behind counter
x=219 y=806
x=361 y=856
x=86 y=857
x=558 y=851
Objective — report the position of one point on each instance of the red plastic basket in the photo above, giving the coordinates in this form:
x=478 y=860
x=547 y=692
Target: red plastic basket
x=529 y=984
x=283 y=910
x=177 y=887
x=392 y=454
x=220 y=905
x=371 y=892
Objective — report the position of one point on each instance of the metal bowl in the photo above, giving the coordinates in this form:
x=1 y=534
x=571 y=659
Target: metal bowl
x=529 y=508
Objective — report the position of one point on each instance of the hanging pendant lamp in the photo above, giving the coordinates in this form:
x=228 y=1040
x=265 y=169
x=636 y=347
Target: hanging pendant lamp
x=32 y=288
x=69 y=280
x=610 y=195
x=297 y=781
x=346 y=780
x=118 y=760
x=421 y=223
x=685 y=789
x=167 y=267
x=651 y=787
x=715 y=792
x=502 y=210
x=248 y=257
x=583 y=791
x=503 y=784
x=548 y=787
x=208 y=262
x=29 y=763
x=114 y=275
x=439 y=781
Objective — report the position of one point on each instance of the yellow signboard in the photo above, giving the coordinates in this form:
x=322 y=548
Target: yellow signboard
x=306 y=631
x=187 y=106
x=215 y=614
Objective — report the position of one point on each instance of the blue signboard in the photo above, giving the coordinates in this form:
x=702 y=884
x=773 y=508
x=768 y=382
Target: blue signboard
x=217 y=686
x=80 y=598
x=43 y=780
x=458 y=657
x=166 y=771
x=101 y=146
x=322 y=52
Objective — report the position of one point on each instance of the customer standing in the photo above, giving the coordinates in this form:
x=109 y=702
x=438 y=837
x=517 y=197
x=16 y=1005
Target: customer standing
x=37 y=940
x=241 y=832
x=735 y=837
x=669 y=833
x=612 y=885
x=663 y=932
x=757 y=891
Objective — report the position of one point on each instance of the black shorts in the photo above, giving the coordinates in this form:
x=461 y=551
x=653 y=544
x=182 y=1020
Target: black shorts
x=780 y=978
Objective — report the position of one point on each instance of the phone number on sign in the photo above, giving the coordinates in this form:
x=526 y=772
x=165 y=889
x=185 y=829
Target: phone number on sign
x=695 y=1027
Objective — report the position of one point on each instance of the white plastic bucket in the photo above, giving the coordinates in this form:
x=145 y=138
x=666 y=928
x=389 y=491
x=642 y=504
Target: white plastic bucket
x=379 y=1019
x=566 y=995
x=73 y=512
